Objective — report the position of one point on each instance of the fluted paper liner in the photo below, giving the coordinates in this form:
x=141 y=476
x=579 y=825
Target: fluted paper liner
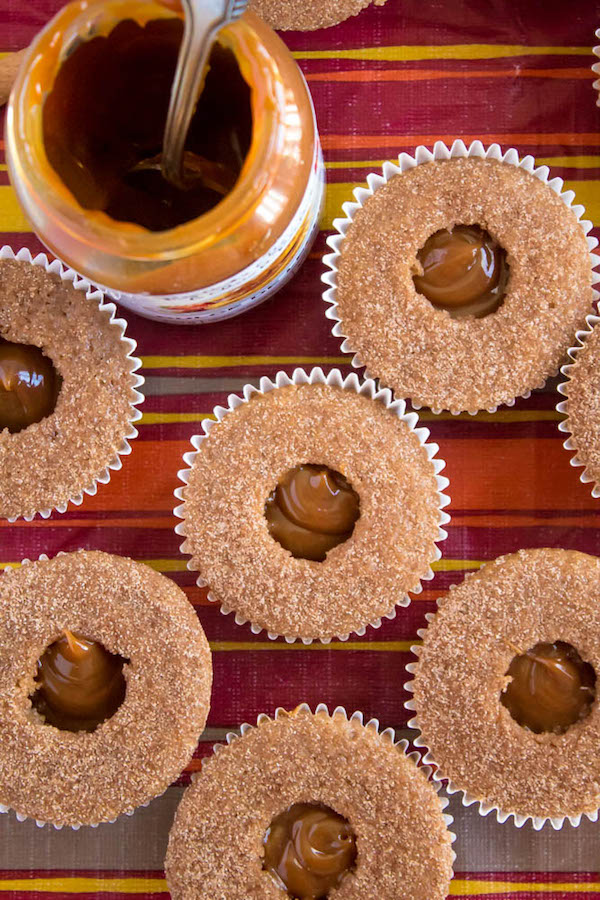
x=586 y=477
x=366 y=387
x=405 y=161
x=484 y=807
x=109 y=311
x=596 y=68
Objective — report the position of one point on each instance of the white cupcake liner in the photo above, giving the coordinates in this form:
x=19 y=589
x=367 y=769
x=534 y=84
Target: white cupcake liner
x=467 y=799
x=109 y=310
x=586 y=477
x=596 y=68
x=387 y=734
x=422 y=155
x=365 y=387
x=40 y=824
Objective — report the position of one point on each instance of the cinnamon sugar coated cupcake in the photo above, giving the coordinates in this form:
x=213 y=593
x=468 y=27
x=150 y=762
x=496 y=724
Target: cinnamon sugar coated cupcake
x=505 y=687
x=62 y=427
x=461 y=281
x=308 y=15
x=367 y=823
x=313 y=508
x=582 y=406
x=105 y=680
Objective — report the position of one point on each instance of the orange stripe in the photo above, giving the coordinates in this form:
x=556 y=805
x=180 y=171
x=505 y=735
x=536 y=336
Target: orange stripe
x=166 y=522
x=515 y=474
x=514 y=521
x=374 y=75
x=356 y=141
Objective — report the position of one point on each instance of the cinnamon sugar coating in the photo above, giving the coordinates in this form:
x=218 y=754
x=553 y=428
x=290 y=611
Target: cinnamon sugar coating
x=73 y=778
x=216 y=843
x=420 y=351
x=583 y=404
x=240 y=463
x=53 y=460
x=517 y=601
x=308 y=15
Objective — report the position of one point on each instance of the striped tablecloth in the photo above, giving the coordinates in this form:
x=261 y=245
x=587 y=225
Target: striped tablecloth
x=409 y=73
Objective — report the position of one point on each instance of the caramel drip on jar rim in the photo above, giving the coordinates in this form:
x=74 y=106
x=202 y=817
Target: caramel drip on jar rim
x=309 y=849
x=551 y=688
x=79 y=683
x=312 y=510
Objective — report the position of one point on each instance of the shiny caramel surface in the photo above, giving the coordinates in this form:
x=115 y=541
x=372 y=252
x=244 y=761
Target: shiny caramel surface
x=29 y=385
x=462 y=270
x=309 y=849
x=551 y=688
x=80 y=684
x=312 y=510
x=98 y=130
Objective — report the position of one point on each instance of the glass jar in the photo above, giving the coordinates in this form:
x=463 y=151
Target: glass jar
x=223 y=262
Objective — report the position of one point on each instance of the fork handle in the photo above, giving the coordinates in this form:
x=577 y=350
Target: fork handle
x=9 y=66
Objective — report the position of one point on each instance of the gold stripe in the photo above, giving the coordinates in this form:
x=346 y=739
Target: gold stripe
x=586 y=192
x=506 y=415
x=133 y=885
x=78 y=885
x=380 y=646
x=215 y=362
x=443 y=51
x=179 y=565
x=481 y=888
x=12 y=217
x=567 y=162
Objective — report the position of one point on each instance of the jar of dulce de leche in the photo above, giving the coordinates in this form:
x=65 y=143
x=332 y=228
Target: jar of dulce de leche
x=84 y=134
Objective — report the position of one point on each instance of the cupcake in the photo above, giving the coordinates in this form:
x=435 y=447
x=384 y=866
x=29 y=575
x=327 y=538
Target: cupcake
x=307 y=804
x=459 y=277
x=582 y=406
x=308 y=15
x=68 y=388
x=105 y=679
x=505 y=688
x=312 y=506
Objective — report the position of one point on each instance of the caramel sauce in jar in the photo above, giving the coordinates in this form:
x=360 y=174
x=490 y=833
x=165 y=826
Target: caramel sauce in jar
x=551 y=688
x=29 y=386
x=78 y=124
x=309 y=849
x=312 y=510
x=462 y=270
x=79 y=683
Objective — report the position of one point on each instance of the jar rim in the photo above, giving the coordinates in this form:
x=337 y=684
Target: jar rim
x=29 y=165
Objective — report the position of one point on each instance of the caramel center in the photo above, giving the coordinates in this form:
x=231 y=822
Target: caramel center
x=463 y=270
x=80 y=684
x=29 y=385
x=551 y=688
x=311 y=510
x=309 y=849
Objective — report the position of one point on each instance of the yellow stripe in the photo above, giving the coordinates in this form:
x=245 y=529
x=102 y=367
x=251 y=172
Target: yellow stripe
x=586 y=192
x=482 y=888
x=456 y=565
x=11 y=215
x=459 y=887
x=507 y=415
x=381 y=646
x=568 y=162
x=443 y=51
x=215 y=362
x=179 y=565
x=86 y=885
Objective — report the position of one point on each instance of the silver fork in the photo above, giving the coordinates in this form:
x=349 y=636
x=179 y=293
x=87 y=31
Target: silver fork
x=203 y=20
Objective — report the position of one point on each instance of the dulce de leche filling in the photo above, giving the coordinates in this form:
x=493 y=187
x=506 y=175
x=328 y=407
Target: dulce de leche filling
x=29 y=385
x=311 y=510
x=309 y=849
x=80 y=684
x=462 y=270
x=551 y=688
